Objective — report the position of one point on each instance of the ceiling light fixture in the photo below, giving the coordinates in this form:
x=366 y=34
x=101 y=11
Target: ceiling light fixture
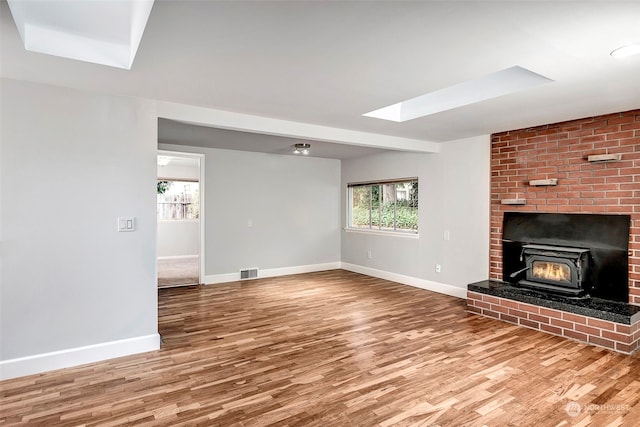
x=302 y=148
x=626 y=51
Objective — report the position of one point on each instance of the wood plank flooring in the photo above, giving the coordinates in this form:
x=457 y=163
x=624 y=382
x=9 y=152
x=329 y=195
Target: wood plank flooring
x=334 y=349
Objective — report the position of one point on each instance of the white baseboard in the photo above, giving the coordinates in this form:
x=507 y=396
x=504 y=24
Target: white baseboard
x=442 y=288
x=161 y=258
x=28 y=365
x=213 y=279
x=272 y=272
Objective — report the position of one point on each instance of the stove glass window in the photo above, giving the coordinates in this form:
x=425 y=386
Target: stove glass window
x=548 y=270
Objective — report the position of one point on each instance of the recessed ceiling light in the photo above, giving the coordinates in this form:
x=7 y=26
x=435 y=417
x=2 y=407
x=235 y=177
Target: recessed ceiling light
x=504 y=82
x=625 y=51
x=301 y=149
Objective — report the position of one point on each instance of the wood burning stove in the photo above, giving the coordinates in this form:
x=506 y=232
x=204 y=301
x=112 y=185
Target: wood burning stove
x=572 y=255
x=558 y=269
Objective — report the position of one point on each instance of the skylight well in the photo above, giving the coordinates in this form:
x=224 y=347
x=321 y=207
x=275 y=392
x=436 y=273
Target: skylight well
x=101 y=32
x=504 y=82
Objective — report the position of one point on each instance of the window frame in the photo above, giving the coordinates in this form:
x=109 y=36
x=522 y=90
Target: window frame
x=378 y=229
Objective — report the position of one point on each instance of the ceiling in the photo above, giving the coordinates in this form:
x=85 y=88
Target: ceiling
x=328 y=63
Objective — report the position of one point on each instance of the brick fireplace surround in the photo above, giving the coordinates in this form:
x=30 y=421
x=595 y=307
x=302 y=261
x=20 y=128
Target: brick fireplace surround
x=560 y=151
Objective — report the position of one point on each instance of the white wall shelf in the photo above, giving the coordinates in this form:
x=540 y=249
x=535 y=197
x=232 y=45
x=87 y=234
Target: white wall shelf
x=604 y=158
x=543 y=182
x=513 y=201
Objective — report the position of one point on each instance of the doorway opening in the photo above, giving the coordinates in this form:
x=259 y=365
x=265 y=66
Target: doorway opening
x=180 y=206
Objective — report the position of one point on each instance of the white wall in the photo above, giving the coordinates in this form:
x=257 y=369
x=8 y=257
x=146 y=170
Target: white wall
x=466 y=197
x=453 y=196
x=178 y=238
x=72 y=162
x=292 y=202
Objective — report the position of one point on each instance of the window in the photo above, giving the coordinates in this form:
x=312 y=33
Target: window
x=178 y=200
x=384 y=205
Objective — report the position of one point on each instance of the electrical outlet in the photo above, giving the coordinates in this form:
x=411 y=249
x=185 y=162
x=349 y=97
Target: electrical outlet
x=369 y=254
x=438 y=268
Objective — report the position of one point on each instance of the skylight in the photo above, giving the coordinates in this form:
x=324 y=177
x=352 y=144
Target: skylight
x=101 y=32
x=504 y=82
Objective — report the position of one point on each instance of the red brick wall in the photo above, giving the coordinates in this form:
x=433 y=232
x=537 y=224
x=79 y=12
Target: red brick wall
x=560 y=151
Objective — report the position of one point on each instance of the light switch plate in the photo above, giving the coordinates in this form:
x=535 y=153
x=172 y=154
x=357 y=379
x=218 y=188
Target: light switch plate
x=126 y=224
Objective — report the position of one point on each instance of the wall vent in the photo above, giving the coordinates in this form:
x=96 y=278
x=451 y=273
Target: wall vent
x=248 y=273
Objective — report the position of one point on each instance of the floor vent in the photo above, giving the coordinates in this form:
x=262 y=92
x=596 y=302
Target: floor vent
x=248 y=273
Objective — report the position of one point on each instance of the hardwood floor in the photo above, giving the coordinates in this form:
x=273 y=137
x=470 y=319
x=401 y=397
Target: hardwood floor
x=334 y=349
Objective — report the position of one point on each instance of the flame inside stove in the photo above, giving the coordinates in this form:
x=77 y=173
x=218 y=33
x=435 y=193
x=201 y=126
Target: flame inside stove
x=551 y=271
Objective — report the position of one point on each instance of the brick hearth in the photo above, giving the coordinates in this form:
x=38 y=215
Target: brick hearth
x=618 y=331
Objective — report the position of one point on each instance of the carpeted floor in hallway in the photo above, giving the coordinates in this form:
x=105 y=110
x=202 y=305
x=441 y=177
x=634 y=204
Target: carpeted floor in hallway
x=175 y=272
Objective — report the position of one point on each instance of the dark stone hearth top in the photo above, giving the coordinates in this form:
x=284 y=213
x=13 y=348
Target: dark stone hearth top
x=618 y=312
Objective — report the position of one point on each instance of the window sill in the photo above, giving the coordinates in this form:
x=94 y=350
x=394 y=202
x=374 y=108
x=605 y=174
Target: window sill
x=407 y=235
